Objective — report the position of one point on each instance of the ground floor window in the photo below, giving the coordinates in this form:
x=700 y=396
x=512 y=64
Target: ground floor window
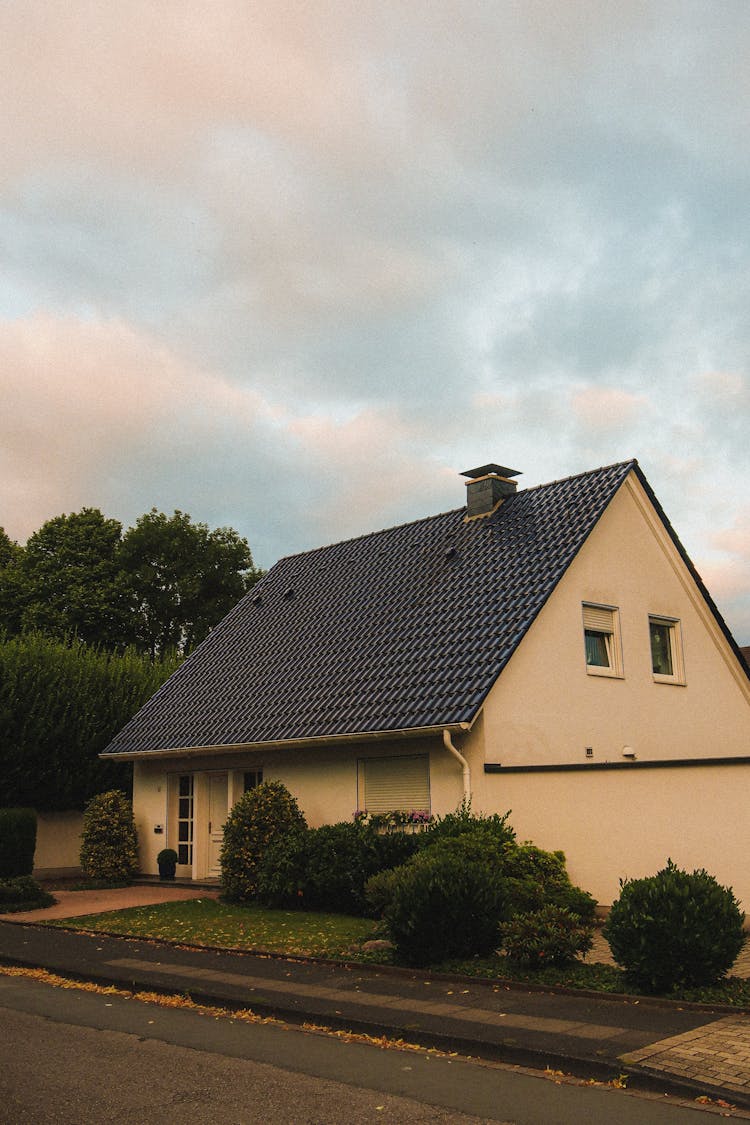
x=251 y=779
x=185 y=806
x=387 y=784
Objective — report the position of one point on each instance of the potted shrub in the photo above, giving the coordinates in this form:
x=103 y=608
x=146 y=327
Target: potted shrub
x=167 y=860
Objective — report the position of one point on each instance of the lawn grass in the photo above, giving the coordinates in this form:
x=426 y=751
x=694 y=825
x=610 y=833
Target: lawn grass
x=208 y=922
x=340 y=937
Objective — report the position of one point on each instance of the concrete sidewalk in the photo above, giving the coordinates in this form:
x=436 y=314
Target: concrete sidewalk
x=687 y=1050
x=74 y=904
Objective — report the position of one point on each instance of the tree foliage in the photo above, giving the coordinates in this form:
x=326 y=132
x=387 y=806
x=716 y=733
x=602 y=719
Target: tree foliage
x=182 y=578
x=60 y=704
x=162 y=585
x=68 y=580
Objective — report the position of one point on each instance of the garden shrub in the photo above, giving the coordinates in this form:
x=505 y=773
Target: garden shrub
x=260 y=816
x=443 y=906
x=536 y=878
x=674 y=929
x=340 y=859
x=109 y=842
x=281 y=871
x=379 y=891
x=463 y=820
x=396 y=847
x=17 y=842
x=550 y=936
x=22 y=893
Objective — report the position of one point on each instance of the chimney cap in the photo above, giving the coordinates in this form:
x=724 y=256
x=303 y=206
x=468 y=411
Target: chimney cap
x=496 y=470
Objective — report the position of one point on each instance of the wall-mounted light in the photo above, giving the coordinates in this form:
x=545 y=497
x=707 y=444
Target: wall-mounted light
x=629 y=753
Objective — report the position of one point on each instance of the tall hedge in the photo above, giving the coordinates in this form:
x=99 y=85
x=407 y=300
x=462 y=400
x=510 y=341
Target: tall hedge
x=60 y=704
x=17 y=842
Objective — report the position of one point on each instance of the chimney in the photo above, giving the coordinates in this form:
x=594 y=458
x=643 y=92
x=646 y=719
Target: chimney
x=486 y=489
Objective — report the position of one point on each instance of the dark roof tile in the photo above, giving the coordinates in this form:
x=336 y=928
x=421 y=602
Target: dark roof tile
x=399 y=629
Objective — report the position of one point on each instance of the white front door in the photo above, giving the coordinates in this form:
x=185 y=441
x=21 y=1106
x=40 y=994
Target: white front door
x=217 y=815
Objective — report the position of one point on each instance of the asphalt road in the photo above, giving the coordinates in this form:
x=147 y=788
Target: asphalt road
x=75 y=1058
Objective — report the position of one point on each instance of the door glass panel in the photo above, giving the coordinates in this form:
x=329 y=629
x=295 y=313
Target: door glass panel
x=185 y=821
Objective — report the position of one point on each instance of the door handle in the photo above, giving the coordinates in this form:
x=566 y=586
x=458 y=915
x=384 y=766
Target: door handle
x=209 y=826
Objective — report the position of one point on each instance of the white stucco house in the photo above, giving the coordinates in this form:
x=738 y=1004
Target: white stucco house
x=551 y=650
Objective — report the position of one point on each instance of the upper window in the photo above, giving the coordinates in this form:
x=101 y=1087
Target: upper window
x=666 y=650
x=601 y=631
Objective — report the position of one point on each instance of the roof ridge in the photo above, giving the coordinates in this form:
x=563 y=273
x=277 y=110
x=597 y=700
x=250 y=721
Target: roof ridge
x=632 y=462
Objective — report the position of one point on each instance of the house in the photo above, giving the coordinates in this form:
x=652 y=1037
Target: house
x=551 y=650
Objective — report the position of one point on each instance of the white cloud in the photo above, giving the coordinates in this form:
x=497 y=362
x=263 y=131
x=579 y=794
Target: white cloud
x=292 y=266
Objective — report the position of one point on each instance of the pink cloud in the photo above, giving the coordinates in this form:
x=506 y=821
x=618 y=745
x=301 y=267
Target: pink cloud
x=80 y=395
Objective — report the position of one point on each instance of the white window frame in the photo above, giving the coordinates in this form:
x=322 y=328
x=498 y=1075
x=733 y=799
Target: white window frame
x=675 y=645
x=605 y=620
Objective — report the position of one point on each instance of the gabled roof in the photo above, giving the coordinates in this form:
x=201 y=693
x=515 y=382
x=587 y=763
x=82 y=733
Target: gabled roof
x=402 y=629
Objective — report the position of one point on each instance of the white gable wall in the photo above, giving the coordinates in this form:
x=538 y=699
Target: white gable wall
x=546 y=710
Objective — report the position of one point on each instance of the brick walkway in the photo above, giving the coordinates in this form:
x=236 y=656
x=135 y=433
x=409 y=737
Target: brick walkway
x=717 y=1055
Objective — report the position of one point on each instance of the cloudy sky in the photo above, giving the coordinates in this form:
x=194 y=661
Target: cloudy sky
x=291 y=267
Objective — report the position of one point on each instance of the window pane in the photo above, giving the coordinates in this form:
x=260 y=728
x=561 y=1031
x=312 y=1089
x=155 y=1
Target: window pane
x=182 y=854
x=597 y=649
x=186 y=785
x=253 y=778
x=397 y=783
x=661 y=649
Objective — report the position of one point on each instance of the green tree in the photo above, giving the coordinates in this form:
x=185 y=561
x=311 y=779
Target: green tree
x=68 y=581
x=10 y=583
x=183 y=578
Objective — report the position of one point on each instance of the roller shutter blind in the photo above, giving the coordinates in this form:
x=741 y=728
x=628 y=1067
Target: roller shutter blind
x=597 y=619
x=396 y=783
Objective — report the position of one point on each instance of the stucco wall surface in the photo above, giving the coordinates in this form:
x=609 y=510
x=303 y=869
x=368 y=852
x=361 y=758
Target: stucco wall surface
x=58 y=842
x=622 y=824
x=546 y=709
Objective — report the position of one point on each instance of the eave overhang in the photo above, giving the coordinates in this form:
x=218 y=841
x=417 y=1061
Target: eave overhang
x=334 y=740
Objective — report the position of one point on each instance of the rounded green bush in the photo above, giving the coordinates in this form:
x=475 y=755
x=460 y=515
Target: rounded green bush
x=22 y=893
x=109 y=842
x=281 y=872
x=396 y=846
x=340 y=859
x=379 y=890
x=537 y=878
x=675 y=929
x=259 y=817
x=550 y=936
x=443 y=905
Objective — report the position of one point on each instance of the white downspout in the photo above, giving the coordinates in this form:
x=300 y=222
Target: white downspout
x=448 y=743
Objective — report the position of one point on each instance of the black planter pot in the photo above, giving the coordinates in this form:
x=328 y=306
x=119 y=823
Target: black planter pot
x=166 y=871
